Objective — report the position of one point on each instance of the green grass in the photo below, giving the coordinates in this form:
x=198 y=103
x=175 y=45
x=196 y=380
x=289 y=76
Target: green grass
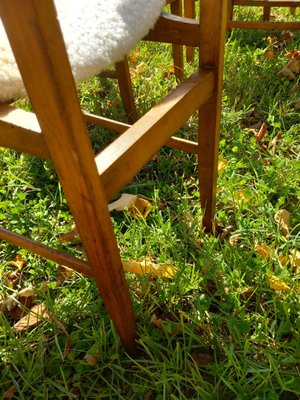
x=237 y=338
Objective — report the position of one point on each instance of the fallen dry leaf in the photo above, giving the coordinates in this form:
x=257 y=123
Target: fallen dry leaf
x=138 y=205
x=282 y=217
x=9 y=394
x=70 y=237
x=202 y=359
x=140 y=208
x=65 y=274
x=90 y=359
x=222 y=164
x=277 y=284
x=26 y=292
x=263 y=250
x=126 y=201
x=18 y=262
x=147 y=266
x=293 y=259
x=33 y=318
x=262 y=131
x=287 y=73
x=174 y=328
x=269 y=54
x=241 y=197
x=63 y=329
x=294 y=66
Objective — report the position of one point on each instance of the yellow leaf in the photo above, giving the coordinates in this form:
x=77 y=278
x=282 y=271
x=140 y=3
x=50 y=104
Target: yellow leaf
x=18 y=262
x=263 y=250
x=277 y=284
x=282 y=217
x=241 y=197
x=33 y=318
x=140 y=208
x=146 y=266
x=222 y=164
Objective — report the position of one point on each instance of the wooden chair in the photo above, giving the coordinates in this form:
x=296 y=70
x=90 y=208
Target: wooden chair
x=121 y=71
x=58 y=131
x=266 y=23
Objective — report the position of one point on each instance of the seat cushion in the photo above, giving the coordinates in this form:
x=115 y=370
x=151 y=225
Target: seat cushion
x=97 y=33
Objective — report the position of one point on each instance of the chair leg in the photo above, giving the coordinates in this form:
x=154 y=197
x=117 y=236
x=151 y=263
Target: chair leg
x=65 y=134
x=126 y=91
x=189 y=12
x=176 y=8
x=214 y=22
x=267 y=13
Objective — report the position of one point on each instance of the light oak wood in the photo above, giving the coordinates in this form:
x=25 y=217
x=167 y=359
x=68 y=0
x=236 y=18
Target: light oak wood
x=44 y=251
x=266 y=23
x=176 y=30
x=58 y=131
x=212 y=43
x=123 y=158
x=51 y=89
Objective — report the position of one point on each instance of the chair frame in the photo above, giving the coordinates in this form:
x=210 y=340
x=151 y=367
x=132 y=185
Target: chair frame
x=89 y=181
x=265 y=24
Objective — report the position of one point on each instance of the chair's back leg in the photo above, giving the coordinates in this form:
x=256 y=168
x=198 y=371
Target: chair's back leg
x=213 y=21
x=126 y=90
x=189 y=12
x=46 y=72
x=177 y=49
x=266 y=13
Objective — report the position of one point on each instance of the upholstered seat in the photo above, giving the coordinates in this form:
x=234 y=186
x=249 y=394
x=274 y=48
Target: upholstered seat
x=97 y=34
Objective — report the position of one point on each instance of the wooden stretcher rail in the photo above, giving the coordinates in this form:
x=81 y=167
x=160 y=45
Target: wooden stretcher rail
x=22 y=131
x=47 y=252
x=123 y=158
x=176 y=30
x=268 y=3
x=264 y=25
x=119 y=127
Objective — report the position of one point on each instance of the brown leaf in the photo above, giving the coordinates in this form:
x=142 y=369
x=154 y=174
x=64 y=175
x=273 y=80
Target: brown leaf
x=90 y=359
x=201 y=358
x=63 y=329
x=269 y=54
x=18 y=262
x=70 y=237
x=18 y=311
x=12 y=279
x=294 y=66
x=286 y=72
x=65 y=274
x=33 y=318
x=262 y=131
x=176 y=327
x=9 y=394
x=282 y=217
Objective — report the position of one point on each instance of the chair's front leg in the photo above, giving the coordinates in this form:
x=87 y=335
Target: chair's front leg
x=213 y=22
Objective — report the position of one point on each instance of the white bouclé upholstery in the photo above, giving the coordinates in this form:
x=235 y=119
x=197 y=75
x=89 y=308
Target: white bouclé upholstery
x=97 y=33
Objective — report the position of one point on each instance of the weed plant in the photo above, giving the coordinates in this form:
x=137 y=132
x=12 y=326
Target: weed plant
x=225 y=332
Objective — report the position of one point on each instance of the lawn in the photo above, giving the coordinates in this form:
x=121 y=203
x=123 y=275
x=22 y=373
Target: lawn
x=227 y=324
